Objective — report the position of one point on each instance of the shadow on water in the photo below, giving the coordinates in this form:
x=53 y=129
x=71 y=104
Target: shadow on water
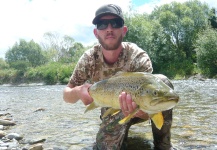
x=134 y=143
x=138 y=143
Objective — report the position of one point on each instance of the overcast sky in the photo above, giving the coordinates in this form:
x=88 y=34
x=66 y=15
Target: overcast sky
x=30 y=19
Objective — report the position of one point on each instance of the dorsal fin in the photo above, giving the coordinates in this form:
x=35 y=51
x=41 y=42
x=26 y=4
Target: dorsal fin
x=118 y=73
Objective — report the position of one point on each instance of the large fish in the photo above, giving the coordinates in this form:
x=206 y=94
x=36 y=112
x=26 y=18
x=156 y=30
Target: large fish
x=149 y=92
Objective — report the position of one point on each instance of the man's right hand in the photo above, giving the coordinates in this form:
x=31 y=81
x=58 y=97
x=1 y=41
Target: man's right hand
x=72 y=94
x=84 y=94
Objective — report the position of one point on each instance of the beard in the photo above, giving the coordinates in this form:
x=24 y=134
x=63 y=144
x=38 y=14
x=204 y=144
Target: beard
x=110 y=46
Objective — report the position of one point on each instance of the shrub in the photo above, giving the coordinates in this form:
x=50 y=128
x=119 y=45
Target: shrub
x=64 y=73
x=7 y=75
x=50 y=73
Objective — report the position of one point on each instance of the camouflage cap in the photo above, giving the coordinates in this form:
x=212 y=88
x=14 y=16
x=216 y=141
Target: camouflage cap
x=108 y=9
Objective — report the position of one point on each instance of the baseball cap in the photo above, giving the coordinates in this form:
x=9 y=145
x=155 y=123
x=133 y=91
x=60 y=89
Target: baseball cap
x=108 y=9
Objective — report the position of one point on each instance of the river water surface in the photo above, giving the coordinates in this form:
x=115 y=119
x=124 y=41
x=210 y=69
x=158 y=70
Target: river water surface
x=67 y=127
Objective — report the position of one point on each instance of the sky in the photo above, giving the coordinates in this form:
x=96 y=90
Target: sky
x=30 y=19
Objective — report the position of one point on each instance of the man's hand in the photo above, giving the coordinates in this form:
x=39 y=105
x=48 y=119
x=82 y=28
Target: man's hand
x=126 y=103
x=84 y=94
x=128 y=106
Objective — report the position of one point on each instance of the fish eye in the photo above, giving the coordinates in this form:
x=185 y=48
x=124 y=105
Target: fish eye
x=155 y=93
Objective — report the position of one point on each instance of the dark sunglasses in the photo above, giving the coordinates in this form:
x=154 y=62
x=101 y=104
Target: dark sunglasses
x=115 y=23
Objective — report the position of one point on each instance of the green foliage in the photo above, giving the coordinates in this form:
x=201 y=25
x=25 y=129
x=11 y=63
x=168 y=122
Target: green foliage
x=149 y=35
x=7 y=75
x=181 y=23
x=28 y=54
x=50 y=73
x=46 y=73
x=206 y=48
x=64 y=72
x=213 y=18
x=140 y=30
x=172 y=69
x=3 y=64
x=20 y=65
x=27 y=59
x=168 y=34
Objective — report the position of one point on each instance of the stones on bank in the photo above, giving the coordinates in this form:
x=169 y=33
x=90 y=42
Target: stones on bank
x=13 y=141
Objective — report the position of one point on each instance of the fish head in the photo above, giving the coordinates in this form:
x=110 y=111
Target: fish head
x=157 y=97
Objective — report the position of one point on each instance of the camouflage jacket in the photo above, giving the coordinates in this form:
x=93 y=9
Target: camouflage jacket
x=91 y=66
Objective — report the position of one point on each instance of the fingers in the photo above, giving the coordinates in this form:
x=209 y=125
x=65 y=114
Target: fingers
x=85 y=97
x=129 y=103
x=142 y=115
x=122 y=101
x=126 y=103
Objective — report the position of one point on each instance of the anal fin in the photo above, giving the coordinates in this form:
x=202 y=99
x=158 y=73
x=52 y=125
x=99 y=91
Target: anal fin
x=91 y=107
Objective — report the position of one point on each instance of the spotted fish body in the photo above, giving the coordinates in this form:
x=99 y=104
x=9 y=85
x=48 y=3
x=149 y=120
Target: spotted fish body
x=149 y=92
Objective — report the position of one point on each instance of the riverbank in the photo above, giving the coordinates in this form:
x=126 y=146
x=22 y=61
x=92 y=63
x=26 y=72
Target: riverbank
x=11 y=140
x=25 y=83
x=14 y=141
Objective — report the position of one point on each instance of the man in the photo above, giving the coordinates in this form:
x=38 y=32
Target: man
x=103 y=61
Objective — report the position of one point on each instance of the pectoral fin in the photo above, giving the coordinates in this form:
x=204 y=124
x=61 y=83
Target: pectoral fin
x=127 y=119
x=110 y=111
x=91 y=107
x=158 y=120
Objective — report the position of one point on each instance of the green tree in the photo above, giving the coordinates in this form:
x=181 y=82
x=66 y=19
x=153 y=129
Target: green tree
x=206 y=48
x=149 y=35
x=182 y=22
x=25 y=54
x=168 y=34
x=140 y=30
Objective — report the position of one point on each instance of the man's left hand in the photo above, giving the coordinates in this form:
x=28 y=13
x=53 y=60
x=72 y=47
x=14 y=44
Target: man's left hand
x=128 y=106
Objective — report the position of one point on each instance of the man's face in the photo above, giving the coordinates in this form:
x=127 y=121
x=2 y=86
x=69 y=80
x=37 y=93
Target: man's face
x=110 y=35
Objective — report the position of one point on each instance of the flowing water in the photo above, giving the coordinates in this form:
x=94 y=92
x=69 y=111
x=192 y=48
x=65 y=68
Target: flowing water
x=40 y=112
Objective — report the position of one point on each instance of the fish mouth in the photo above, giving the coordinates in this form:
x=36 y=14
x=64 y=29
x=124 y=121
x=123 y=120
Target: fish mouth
x=161 y=105
x=167 y=101
x=176 y=99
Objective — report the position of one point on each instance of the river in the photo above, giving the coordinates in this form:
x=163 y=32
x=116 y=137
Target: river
x=40 y=112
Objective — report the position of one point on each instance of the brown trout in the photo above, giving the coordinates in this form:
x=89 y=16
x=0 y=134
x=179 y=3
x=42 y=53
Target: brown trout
x=150 y=93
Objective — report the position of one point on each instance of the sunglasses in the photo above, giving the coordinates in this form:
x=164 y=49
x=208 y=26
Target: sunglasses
x=115 y=23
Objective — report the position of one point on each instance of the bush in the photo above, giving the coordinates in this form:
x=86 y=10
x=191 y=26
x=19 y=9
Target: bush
x=64 y=73
x=3 y=64
x=50 y=73
x=174 y=68
x=8 y=76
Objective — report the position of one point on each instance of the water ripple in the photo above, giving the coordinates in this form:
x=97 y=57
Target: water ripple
x=66 y=125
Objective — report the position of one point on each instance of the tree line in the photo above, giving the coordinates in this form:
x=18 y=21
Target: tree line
x=180 y=38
